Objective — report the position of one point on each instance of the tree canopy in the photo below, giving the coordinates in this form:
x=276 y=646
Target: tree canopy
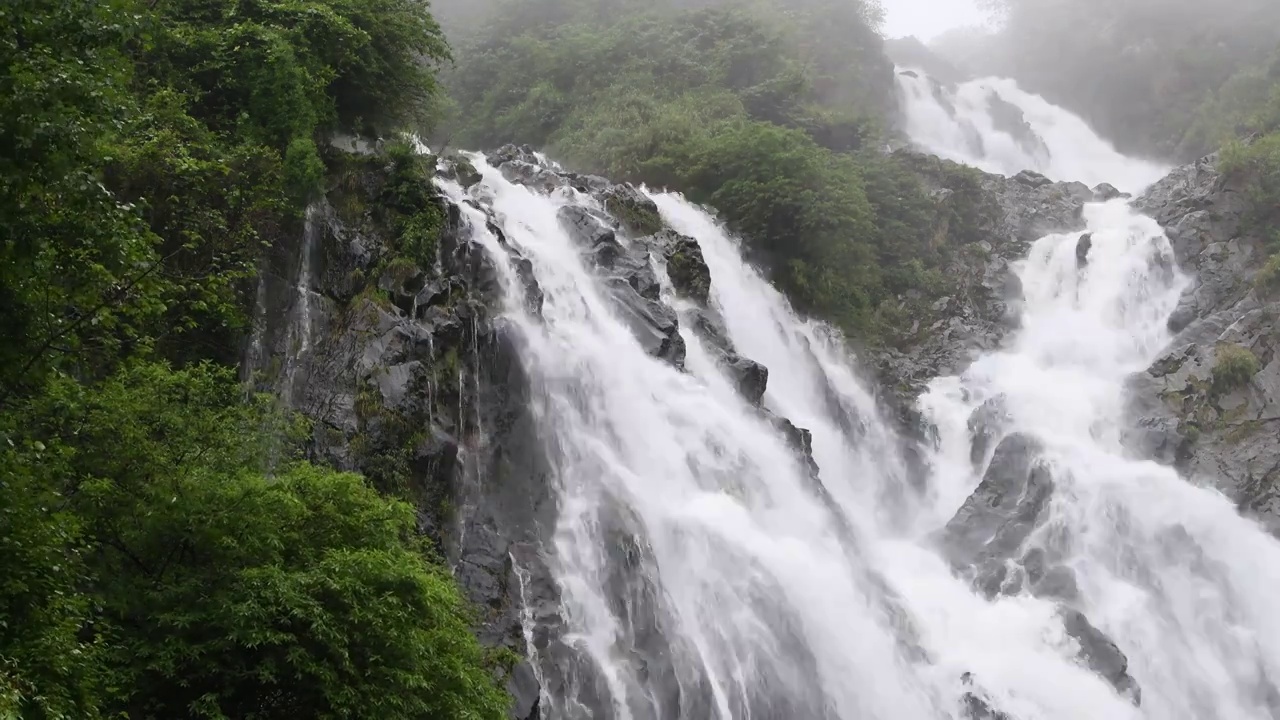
x=153 y=564
x=776 y=114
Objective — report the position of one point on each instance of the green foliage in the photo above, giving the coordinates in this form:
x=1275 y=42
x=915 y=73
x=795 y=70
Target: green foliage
x=162 y=552
x=219 y=591
x=768 y=112
x=1168 y=78
x=1268 y=279
x=1235 y=366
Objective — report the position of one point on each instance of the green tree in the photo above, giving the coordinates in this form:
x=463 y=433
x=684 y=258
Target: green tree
x=223 y=591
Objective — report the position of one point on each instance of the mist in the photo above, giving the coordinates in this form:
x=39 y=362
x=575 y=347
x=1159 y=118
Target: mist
x=927 y=19
x=1164 y=78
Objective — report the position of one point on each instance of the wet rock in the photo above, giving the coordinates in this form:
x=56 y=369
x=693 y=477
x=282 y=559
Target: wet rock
x=1006 y=507
x=1078 y=191
x=750 y=377
x=974 y=703
x=655 y=325
x=1083 y=246
x=591 y=233
x=634 y=211
x=1009 y=118
x=1105 y=192
x=987 y=424
x=459 y=168
x=1100 y=654
x=986 y=299
x=1032 y=179
x=1058 y=583
x=1228 y=440
x=519 y=164
x=687 y=268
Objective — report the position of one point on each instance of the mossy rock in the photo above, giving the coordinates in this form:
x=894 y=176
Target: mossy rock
x=465 y=172
x=688 y=269
x=633 y=210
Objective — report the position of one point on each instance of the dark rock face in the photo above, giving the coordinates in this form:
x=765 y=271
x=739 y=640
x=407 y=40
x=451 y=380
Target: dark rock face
x=1105 y=192
x=1223 y=435
x=1006 y=507
x=416 y=387
x=687 y=268
x=1009 y=118
x=1083 y=246
x=986 y=304
x=636 y=213
x=1101 y=655
x=412 y=379
x=992 y=539
x=987 y=424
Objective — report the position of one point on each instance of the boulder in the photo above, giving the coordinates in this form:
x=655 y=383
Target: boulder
x=1005 y=509
x=634 y=211
x=686 y=267
x=987 y=424
x=1105 y=192
x=1083 y=246
x=1100 y=654
x=1032 y=179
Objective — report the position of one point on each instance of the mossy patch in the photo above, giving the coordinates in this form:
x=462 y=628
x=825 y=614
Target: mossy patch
x=636 y=217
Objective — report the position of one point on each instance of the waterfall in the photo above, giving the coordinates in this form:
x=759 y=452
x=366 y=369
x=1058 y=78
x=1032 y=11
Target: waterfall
x=995 y=126
x=706 y=572
x=700 y=574
x=299 y=333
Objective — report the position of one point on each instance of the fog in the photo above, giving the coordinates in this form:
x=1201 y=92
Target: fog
x=1163 y=78
x=927 y=19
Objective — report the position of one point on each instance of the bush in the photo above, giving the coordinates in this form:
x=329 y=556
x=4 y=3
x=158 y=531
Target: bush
x=162 y=551
x=218 y=587
x=1234 y=367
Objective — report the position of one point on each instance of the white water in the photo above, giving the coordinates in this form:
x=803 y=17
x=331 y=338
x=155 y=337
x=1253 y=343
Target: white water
x=300 y=330
x=703 y=576
x=957 y=124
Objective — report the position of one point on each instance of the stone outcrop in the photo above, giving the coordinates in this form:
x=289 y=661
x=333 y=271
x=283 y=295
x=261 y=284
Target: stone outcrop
x=983 y=303
x=1210 y=405
x=995 y=541
x=399 y=362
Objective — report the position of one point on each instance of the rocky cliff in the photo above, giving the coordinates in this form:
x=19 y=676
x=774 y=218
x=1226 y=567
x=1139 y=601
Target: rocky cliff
x=1211 y=404
x=981 y=302
x=384 y=325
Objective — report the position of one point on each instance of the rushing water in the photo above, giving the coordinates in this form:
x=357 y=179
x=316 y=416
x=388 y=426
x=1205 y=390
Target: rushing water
x=704 y=575
x=994 y=125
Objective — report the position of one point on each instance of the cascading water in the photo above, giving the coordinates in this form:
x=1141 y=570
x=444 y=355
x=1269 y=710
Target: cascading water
x=699 y=573
x=995 y=126
x=1168 y=570
x=705 y=573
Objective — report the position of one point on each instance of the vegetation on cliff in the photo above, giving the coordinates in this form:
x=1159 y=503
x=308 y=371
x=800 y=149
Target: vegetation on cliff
x=775 y=114
x=1165 y=78
x=163 y=550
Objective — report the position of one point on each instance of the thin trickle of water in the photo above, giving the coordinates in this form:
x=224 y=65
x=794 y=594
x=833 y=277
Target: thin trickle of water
x=528 y=625
x=257 y=337
x=299 y=336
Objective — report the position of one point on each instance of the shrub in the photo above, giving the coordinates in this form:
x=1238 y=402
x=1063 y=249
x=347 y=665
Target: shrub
x=1234 y=367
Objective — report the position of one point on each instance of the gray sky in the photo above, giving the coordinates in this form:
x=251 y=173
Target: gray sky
x=927 y=18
